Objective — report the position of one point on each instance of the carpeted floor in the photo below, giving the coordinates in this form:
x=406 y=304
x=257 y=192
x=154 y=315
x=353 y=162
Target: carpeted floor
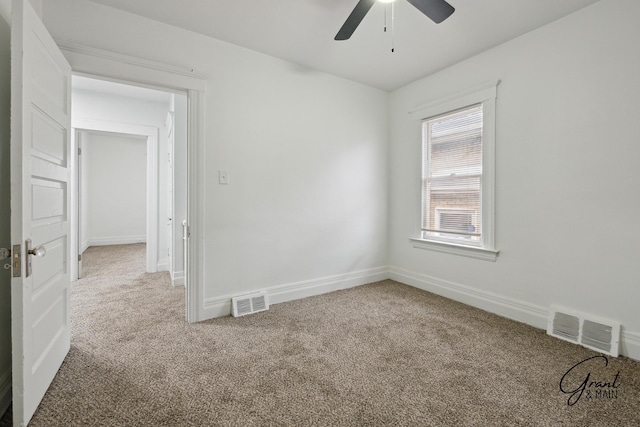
x=383 y=354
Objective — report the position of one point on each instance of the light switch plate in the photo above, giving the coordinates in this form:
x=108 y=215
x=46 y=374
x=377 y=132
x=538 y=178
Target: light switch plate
x=223 y=177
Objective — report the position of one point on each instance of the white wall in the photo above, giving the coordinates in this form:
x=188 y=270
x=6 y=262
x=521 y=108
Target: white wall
x=306 y=153
x=108 y=108
x=5 y=10
x=5 y=215
x=114 y=180
x=567 y=173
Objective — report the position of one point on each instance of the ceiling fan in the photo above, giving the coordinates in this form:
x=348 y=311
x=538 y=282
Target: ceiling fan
x=436 y=10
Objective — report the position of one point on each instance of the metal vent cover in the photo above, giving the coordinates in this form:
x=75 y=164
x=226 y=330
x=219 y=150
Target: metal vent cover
x=248 y=304
x=566 y=326
x=590 y=331
x=597 y=335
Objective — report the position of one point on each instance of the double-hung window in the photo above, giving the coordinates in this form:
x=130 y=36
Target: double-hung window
x=457 y=192
x=452 y=176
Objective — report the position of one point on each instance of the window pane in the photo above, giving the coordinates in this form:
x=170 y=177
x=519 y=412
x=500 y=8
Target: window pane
x=452 y=175
x=463 y=156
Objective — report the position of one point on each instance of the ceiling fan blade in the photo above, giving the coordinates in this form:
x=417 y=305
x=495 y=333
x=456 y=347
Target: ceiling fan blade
x=436 y=10
x=354 y=19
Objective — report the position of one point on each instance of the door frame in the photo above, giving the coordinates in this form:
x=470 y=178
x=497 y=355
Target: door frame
x=120 y=68
x=80 y=125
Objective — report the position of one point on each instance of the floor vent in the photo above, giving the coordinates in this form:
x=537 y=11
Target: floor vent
x=592 y=332
x=248 y=304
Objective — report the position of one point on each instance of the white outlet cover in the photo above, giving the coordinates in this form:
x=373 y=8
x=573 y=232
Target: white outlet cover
x=223 y=177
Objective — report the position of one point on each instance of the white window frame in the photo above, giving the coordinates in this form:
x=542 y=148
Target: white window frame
x=486 y=95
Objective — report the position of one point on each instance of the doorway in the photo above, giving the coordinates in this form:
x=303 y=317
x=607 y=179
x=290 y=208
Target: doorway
x=29 y=384
x=113 y=189
x=113 y=66
x=118 y=114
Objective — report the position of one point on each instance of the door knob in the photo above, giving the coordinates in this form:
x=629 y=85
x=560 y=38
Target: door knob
x=38 y=251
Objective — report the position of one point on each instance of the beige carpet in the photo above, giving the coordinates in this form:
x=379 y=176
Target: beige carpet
x=377 y=355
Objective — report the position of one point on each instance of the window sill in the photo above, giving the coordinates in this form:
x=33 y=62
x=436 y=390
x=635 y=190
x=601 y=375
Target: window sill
x=450 y=248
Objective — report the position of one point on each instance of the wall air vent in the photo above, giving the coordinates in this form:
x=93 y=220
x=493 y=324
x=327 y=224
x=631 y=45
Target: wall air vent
x=566 y=326
x=248 y=304
x=579 y=328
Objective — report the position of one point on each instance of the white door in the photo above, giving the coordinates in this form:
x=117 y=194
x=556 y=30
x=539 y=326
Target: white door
x=40 y=155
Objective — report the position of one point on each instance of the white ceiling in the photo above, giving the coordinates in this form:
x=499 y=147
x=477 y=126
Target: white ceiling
x=302 y=31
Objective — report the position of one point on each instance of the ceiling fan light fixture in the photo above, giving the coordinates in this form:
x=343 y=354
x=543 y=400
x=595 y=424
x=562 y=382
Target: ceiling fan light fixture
x=436 y=10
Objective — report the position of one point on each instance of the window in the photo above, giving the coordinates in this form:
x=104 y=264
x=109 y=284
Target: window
x=452 y=176
x=457 y=191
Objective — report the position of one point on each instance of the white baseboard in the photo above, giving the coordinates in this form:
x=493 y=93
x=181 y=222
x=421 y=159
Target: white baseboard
x=5 y=391
x=84 y=246
x=221 y=306
x=520 y=311
x=178 y=278
x=117 y=240
x=163 y=265
x=630 y=344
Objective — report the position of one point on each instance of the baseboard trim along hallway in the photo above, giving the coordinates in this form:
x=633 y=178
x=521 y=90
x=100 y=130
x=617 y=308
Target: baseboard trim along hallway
x=221 y=306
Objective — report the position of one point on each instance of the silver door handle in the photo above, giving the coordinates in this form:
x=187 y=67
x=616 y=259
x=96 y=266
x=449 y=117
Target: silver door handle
x=38 y=251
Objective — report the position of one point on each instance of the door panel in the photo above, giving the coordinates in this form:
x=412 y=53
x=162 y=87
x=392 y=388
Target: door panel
x=40 y=153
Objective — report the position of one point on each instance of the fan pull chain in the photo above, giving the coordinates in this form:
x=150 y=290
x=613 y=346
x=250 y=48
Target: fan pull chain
x=385 y=18
x=393 y=17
